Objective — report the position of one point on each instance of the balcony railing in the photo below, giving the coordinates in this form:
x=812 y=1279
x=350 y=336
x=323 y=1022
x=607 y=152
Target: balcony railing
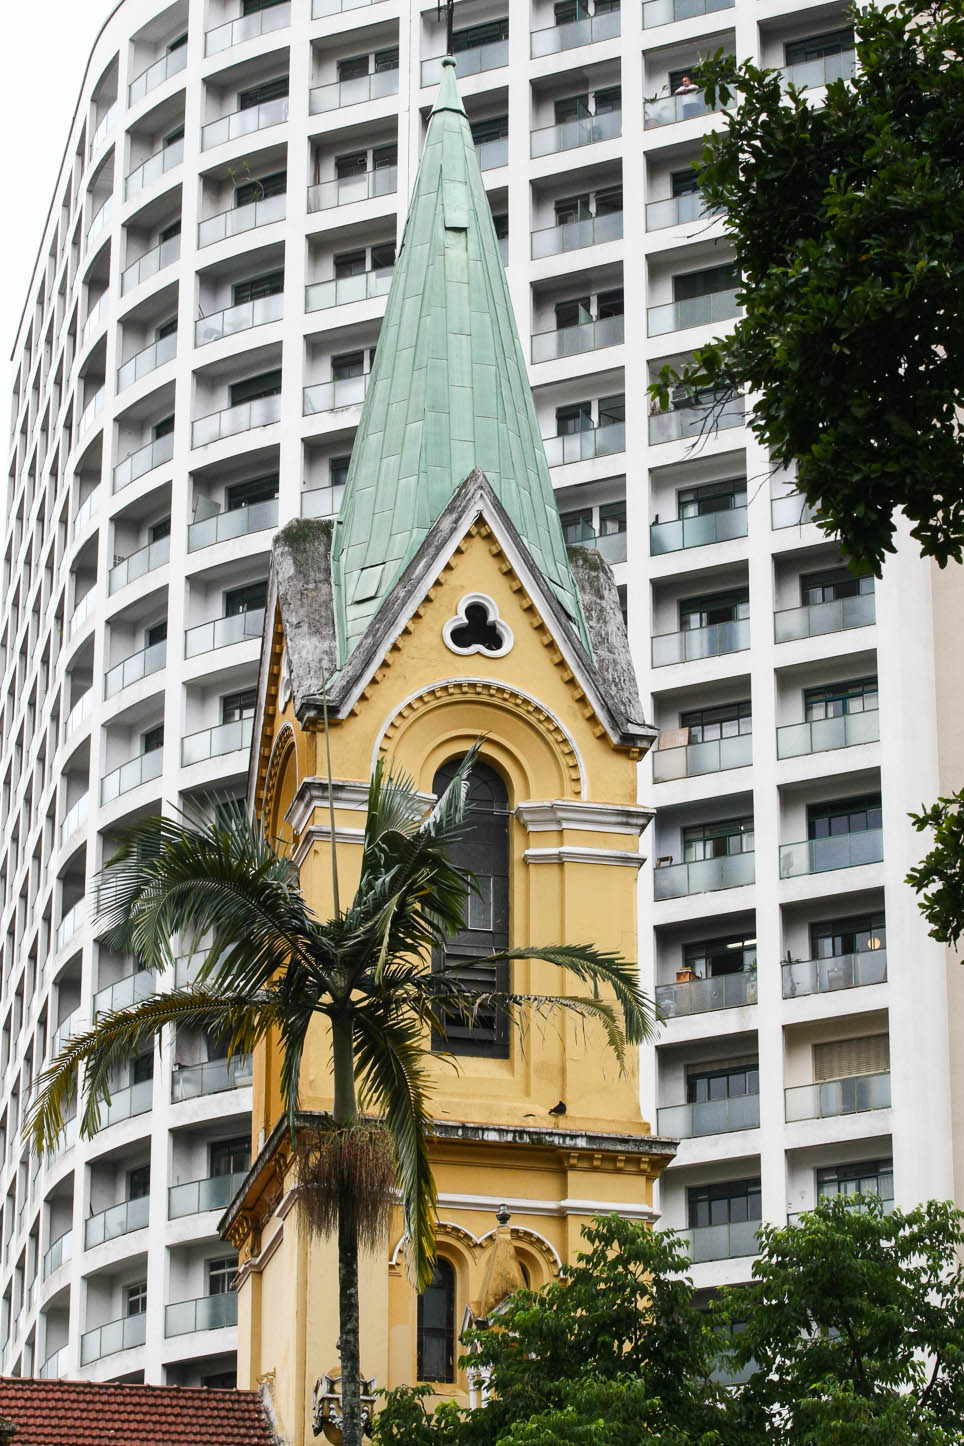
x=124 y=992
x=709 y=642
x=99 y=218
x=700 y=996
x=104 y=126
x=666 y=110
x=811 y=621
x=584 y=445
x=697 y=531
x=156 y=74
x=676 y=210
x=237 y=522
x=75 y=1023
x=324 y=98
x=154 y=167
x=322 y=8
x=214 y=1192
x=94 y=319
x=232 y=420
x=610 y=545
x=125 y=1104
x=60 y=1252
x=71 y=923
x=571 y=340
x=721 y=1242
x=76 y=815
x=345 y=190
x=692 y=759
x=709 y=1117
x=150 y=263
x=838 y=971
x=186 y=967
x=207 y=1313
x=244 y=122
x=574 y=235
x=492 y=154
x=143 y=561
x=145 y=459
x=142 y=769
x=79 y=713
x=582 y=131
x=343 y=290
x=192 y=1081
x=87 y=509
x=224 y=632
x=554 y=38
x=679 y=423
x=82 y=611
x=117 y=1220
x=147 y=360
x=134 y=667
x=215 y=742
x=243 y=317
x=56 y=1365
x=468 y=62
x=790 y=511
x=839 y=851
x=832 y=1097
x=92 y=411
x=240 y=219
x=665 y=12
x=694 y=311
x=823 y=734
x=703 y=876
x=116 y=1335
x=327 y=396
x=248 y=27
x=809 y=74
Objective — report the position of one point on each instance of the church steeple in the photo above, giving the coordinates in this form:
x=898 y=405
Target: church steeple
x=448 y=392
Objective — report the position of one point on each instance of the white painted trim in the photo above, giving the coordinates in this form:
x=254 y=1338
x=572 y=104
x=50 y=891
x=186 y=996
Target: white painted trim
x=551 y=815
x=557 y=1209
x=347 y=793
x=620 y=858
x=321 y=833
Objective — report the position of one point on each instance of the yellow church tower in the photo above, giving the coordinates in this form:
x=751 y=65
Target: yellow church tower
x=443 y=606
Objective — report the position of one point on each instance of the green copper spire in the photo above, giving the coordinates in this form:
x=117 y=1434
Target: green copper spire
x=448 y=392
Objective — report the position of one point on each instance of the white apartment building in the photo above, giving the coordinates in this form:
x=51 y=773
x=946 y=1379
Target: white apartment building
x=188 y=373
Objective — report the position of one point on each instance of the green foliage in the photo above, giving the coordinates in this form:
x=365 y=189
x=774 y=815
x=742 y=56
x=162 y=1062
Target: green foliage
x=939 y=877
x=847 y=221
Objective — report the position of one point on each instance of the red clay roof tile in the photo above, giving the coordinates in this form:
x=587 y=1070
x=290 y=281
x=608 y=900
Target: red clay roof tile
x=96 y=1413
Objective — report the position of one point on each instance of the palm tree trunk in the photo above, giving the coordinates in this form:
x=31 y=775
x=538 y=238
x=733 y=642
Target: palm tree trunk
x=348 y=1344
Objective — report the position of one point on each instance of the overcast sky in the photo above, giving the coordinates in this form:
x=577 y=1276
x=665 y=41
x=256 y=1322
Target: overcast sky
x=45 y=48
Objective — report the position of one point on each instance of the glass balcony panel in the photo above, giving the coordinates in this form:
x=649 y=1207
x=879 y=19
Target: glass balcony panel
x=79 y=714
x=666 y=110
x=611 y=546
x=555 y=38
x=99 y=219
x=91 y=411
x=492 y=154
x=695 y=311
x=82 y=611
x=322 y=8
x=700 y=996
x=86 y=510
x=573 y=235
x=185 y=969
x=697 y=531
x=117 y=1335
x=248 y=27
x=347 y=189
x=708 y=642
x=810 y=74
x=154 y=167
x=672 y=881
x=215 y=742
x=839 y=971
x=581 y=446
x=76 y=815
x=324 y=98
x=320 y=295
x=827 y=617
x=238 y=318
x=244 y=122
x=75 y=1023
x=692 y=759
x=215 y=1192
x=468 y=62
x=117 y=1220
x=840 y=851
x=132 y=669
x=150 y=263
x=141 y=769
x=156 y=74
x=832 y=1097
x=823 y=734
x=571 y=340
x=680 y=423
x=665 y=12
x=327 y=396
x=237 y=523
x=56 y=1366
x=71 y=922
x=583 y=131
x=144 y=560
x=721 y=1242
x=790 y=511
x=144 y=460
x=94 y=320
x=240 y=219
x=709 y=1117
x=676 y=211
x=224 y=632
x=124 y=992
x=60 y=1252
x=191 y=1081
x=207 y=1313
x=232 y=420
x=104 y=126
x=124 y=1104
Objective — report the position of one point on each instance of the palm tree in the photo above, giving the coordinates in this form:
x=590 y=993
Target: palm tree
x=269 y=964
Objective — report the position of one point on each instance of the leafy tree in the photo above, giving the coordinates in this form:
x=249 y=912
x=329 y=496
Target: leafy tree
x=941 y=872
x=271 y=965
x=847 y=221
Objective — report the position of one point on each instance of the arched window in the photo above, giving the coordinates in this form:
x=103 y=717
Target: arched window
x=484 y=849
x=436 y=1326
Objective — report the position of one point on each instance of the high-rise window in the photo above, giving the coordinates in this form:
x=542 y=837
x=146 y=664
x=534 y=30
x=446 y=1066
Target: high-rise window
x=269 y=283
x=726 y=720
x=860 y=696
x=221 y=1272
x=831 y=584
x=723 y=1082
x=253 y=389
x=230 y=1157
x=275 y=89
x=844 y=815
x=251 y=597
x=727 y=1202
x=235 y=706
x=865 y=1177
x=717 y=840
x=855 y=934
x=135 y=1298
x=710 y=958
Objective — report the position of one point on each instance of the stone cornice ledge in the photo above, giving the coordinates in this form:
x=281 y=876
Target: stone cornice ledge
x=550 y=815
x=346 y=793
x=621 y=858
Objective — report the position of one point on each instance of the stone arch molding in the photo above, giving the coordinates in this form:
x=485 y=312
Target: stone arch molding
x=473 y=1245
x=282 y=750
x=478 y=628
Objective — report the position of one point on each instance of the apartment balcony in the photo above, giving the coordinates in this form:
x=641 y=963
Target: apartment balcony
x=238 y=219
x=74 y=1023
x=82 y=611
x=569 y=135
x=327 y=396
x=685 y=532
x=238 y=522
x=721 y=1242
x=244 y=122
x=148 y=265
x=574 y=235
x=71 y=923
x=224 y=632
x=566 y=341
x=79 y=714
x=231 y=420
x=125 y=992
x=214 y=1192
x=492 y=154
x=138 y=564
x=823 y=734
x=91 y=411
x=95 y=318
x=191 y=1082
x=702 y=996
x=117 y=1220
x=709 y=1117
x=676 y=210
x=59 y=1253
x=839 y=851
x=249 y=27
x=811 y=74
x=790 y=511
x=667 y=110
x=116 y=1335
x=692 y=759
x=233 y=319
x=99 y=219
x=207 y=1313
x=690 y=644
x=837 y=971
x=831 y=1097
x=555 y=38
x=56 y=1365
x=76 y=815
x=156 y=74
x=153 y=168
x=186 y=967
x=215 y=742
x=681 y=423
x=346 y=190
x=135 y=667
x=345 y=290
x=325 y=98
x=694 y=311
x=126 y=1104
x=145 y=459
x=472 y=61
x=321 y=9
x=815 y=619
x=582 y=446
x=703 y=876
x=666 y=12
x=104 y=127
x=141 y=769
